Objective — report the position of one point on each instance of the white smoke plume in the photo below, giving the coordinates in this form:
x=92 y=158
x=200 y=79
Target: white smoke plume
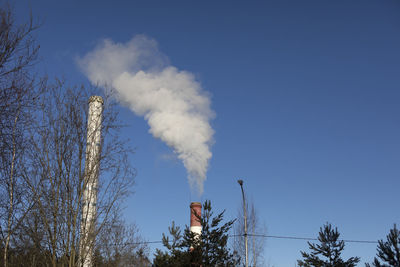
x=174 y=104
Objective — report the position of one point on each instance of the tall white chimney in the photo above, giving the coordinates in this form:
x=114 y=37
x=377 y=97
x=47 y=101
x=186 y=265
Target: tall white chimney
x=89 y=195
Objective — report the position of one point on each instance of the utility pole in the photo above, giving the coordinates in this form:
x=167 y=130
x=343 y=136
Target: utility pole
x=240 y=182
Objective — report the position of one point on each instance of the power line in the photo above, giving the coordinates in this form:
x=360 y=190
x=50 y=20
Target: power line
x=273 y=236
x=311 y=239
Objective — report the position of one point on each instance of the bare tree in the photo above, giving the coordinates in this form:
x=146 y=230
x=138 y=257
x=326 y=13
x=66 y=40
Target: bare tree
x=119 y=244
x=42 y=157
x=18 y=52
x=28 y=245
x=55 y=173
x=255 y=232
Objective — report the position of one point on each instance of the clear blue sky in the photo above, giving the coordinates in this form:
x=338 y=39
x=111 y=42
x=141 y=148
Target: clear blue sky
x=306 y=96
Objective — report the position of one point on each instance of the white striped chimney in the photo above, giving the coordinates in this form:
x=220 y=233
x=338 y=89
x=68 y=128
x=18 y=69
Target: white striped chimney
x=89 y=196
x=195 y=225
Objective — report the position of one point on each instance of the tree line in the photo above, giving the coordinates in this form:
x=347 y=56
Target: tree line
x=211 y=247
x=328 y=251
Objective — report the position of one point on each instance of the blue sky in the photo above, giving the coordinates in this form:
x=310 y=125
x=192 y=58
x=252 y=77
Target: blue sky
x=306 y=96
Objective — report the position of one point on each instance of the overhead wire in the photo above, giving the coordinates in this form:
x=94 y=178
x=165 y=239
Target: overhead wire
x=273 y=236
x=311 y=239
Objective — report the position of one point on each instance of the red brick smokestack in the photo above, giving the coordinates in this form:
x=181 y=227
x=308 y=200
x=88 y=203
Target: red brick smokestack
x=195 y=225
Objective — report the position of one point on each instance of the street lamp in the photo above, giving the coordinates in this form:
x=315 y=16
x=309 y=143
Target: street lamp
x=240 y=182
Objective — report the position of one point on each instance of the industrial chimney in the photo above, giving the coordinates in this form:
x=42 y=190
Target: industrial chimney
x=195 y=225
x=89 y=195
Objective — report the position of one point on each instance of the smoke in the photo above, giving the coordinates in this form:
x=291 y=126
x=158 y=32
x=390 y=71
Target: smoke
x=173 y=103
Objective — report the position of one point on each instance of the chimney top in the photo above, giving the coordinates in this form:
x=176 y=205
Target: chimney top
x=195 y=204
x=96 y=98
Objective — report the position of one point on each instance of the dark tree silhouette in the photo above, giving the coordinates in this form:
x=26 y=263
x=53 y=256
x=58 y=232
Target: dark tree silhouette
x=327 y=253
x=210 y=249
x=388 y=251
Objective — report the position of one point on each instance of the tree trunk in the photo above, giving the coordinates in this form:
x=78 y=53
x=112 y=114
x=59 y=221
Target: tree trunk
x=11 y=192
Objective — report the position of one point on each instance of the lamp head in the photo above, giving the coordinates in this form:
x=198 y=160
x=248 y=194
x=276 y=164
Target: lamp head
x=240 y=182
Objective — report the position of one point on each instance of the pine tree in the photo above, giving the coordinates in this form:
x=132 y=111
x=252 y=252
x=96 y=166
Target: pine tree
x=210 y=249
x=389 y=251
x=327 y=253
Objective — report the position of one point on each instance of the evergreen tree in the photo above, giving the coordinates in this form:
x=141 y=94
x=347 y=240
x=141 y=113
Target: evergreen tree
x=208 y=249
x=329 y=250
x=389 y=251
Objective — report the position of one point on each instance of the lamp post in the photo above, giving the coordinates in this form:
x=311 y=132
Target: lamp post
x=240 y=182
